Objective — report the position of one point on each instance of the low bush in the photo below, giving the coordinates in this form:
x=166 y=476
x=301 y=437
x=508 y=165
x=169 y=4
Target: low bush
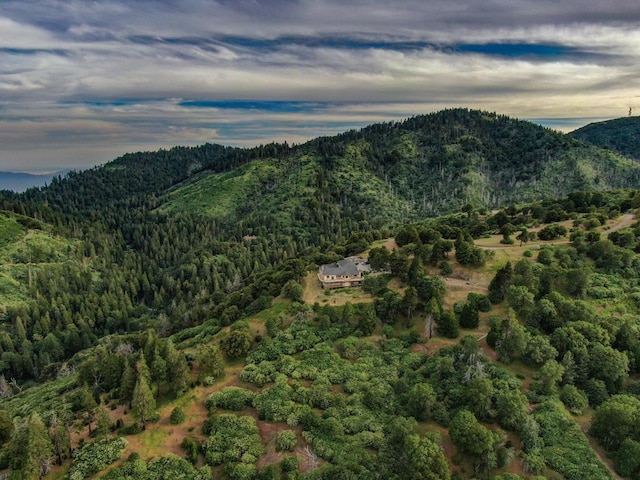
x=95 y=457
x=230 y=398
x=177 y=416
x=286 y=441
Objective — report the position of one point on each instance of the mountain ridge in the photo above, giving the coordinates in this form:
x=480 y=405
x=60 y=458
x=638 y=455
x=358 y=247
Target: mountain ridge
x=621 y=135
x=471 y=152
x=403 y=171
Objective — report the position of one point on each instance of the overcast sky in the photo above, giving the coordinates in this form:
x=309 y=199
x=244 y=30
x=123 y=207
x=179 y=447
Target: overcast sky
x=82 y=82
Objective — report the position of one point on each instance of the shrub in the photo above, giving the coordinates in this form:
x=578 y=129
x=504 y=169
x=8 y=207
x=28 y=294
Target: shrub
x=290 y=463
x=230 y=398
x=552 y=232
x=232 y=439
x=286 y=441
x=375 y=284
x=132 y=429
x=190 y=448
x=574 y=399
x=238 y=342
x=177 y=416
x=627 y=459
x=566 y=449
x=94 y=457
x=480 y=302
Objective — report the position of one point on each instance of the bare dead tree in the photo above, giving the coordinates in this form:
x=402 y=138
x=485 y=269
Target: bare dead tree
x=429 y=326
x=313 y=458
x=15 y=385
x=5 y=388
x=124 y=349
x=66 y=370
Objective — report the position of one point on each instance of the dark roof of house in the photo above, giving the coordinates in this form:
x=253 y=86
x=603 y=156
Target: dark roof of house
x=350 y=266
x=341 y=268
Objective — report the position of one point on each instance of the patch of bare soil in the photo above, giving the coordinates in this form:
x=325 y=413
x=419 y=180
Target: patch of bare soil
x=625 y=221
x=391 y=244
x=268 y=435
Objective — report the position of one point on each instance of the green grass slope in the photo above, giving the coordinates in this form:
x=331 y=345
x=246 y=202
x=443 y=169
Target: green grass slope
x=293 y=196
x=27 y=247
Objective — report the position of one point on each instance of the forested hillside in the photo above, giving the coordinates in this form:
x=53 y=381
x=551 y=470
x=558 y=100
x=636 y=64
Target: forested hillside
x=160 y=298
x=403 y=171
x=620 y=135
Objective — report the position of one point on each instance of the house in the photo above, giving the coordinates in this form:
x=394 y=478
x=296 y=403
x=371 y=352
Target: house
x=348 y=272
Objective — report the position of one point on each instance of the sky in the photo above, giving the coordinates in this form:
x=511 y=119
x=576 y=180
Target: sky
x=82 y=82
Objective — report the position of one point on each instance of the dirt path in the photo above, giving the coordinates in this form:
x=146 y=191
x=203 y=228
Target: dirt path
x=465 y=284
x=627 y=220
x=526 y=245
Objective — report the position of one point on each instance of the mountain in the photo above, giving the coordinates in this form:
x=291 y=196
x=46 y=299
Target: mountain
x=19 y=182
x=621 y=135
x=402 y=171
x=172 y=297
x=330 y=187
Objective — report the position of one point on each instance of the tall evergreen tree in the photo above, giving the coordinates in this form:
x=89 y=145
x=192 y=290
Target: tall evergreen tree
x=143 y=404
x=59 y=434
x=128 y=383
x=30 y=448
x=500 y=283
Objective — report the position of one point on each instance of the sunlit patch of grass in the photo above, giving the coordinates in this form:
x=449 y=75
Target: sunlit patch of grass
x=219 y=194
x=10 y=229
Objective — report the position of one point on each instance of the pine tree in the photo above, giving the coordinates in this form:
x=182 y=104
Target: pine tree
x=59 y=434
x=103 y=422
x=128 y=383
x=177 y=369
x=210 y=361
x=500 y=283
x=410 y=302
x=6 y=427
x=143 y=404
x=30 y=448
x=88 y=403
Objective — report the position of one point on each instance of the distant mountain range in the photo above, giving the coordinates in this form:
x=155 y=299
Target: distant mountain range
x=19 y=182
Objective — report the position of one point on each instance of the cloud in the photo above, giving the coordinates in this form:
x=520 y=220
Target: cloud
x=81 y=82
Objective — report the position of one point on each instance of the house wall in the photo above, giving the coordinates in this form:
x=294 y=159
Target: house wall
x=340 y=281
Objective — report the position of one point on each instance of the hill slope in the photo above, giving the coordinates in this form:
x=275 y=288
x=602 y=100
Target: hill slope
x=621 y=135
x=381 y=175
x=344 y=391
x=404 y=171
